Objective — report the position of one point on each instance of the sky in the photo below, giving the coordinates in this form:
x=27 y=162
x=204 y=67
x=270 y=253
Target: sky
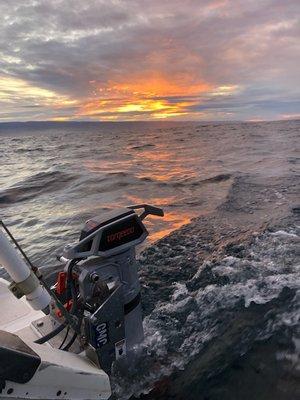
x=119 y=60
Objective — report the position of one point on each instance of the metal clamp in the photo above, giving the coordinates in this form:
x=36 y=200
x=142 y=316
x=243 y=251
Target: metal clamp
x=20 y=289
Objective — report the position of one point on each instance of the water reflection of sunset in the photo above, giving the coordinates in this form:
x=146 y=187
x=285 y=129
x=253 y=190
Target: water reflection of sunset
x=107 y=166
x=149 y=169
x=162 y=164
x=172 y=219
x=157 y=163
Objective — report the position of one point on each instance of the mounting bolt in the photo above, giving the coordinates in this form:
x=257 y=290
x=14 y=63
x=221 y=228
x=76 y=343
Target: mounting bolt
x=94 y=277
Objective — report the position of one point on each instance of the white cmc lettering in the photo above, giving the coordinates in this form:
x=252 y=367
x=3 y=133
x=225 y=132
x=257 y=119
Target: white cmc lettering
x=102 y=334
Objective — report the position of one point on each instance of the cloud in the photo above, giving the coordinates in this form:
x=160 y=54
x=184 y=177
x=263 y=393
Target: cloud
x=140 y=59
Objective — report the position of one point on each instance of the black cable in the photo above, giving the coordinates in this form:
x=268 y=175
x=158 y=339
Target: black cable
x=50 y=335
x=65 y=338
x=66 y=348
x=17 y=245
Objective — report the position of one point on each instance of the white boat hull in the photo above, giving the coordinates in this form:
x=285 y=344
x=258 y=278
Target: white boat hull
x=60 y=375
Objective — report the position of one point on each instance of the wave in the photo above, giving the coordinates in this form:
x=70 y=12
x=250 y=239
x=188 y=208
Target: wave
x=142 y=146
x=29 y=150
x=118 y=174
x=188 y=182
x=212 y=290
x=202 y=182
x=217 y=178
x=199 y=325
x=36 y=185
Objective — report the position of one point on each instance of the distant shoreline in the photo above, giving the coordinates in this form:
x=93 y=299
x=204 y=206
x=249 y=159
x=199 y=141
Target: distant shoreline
x=53 y=123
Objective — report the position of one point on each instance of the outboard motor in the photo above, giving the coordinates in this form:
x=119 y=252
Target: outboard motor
x=87 y=308
x=100 y=284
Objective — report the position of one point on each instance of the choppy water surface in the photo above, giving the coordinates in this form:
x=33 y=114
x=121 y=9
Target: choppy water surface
x=215 y=288
x=54 y=178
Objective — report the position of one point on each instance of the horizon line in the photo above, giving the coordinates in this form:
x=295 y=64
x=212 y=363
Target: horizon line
x=147 y=121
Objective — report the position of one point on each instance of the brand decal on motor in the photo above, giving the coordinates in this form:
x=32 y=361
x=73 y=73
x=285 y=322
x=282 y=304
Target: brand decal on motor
x=119 y=235
x=101 y=334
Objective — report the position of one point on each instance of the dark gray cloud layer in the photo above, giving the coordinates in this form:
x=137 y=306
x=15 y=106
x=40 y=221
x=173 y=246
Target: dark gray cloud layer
x=68 y=47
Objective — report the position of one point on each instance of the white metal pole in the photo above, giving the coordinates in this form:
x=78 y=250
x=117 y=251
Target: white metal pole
x=19 y=271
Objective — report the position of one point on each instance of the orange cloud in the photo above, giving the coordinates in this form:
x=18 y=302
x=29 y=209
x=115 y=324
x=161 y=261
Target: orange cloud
x=158 y=85
x=144 y=95
x=133 y=108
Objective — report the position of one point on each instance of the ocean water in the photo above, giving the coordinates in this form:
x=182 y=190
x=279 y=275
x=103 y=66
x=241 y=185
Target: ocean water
x=55 y=176
x=220 y=275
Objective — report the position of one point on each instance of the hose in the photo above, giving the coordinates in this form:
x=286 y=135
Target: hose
x=66 y=348
x=65 y=338
x=50 y=335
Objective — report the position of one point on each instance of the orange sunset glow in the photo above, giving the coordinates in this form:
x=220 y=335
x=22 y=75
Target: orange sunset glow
x=143 y=95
